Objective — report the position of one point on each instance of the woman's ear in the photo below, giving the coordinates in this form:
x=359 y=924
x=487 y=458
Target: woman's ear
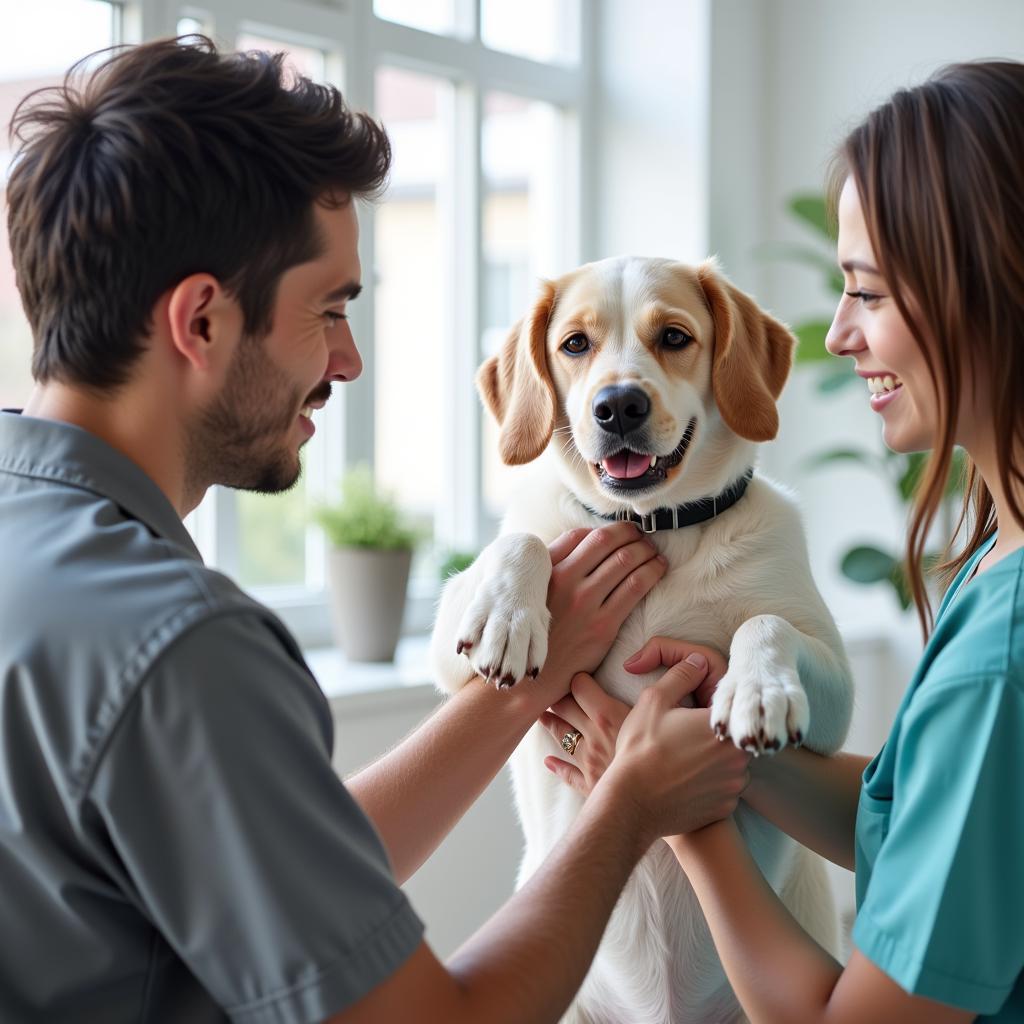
x=753 y=354
x=516 y=385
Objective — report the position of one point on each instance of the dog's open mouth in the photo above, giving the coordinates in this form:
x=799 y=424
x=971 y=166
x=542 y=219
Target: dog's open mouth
x=630 y=470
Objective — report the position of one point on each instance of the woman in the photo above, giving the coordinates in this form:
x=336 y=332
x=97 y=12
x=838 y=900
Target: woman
x=930 y=197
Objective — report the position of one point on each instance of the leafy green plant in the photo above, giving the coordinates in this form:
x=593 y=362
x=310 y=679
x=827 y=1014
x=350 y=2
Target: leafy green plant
x=365 y=517
x=454 y=563
x=863 y=563
x=866 y=563
x=819 y=254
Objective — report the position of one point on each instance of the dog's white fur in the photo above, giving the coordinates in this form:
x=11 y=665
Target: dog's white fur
x=740 y=583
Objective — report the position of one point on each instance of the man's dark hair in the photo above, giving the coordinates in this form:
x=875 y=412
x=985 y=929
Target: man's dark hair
x=171 y=159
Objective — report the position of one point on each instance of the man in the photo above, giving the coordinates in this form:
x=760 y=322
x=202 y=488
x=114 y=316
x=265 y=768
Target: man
x=174 y=845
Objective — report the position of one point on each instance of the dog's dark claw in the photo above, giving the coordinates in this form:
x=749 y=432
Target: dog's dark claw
x=796 y=739
x=534 y=672
x=460 y=647
x=506 y=682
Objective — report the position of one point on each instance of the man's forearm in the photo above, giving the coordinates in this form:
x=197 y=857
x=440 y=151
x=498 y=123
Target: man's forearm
x=531 y=957
x=810 y=797
x=417 y=792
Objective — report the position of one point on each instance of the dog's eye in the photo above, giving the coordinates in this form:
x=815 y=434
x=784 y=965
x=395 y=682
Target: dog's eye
x=675 y=338
x=576 y=344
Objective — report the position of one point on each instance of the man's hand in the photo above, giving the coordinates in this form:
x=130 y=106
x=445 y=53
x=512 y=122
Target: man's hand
x=597 y=716
x=597 y=578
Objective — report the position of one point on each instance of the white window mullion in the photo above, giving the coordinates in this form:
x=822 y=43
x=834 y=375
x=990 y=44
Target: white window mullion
x=457 y=522
x=360 y=405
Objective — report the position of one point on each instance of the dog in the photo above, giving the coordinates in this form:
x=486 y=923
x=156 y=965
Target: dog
x=640 y=388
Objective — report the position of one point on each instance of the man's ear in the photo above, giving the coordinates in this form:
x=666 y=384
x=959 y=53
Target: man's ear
x=199 y=314
x=753 y=354
x=516 y=385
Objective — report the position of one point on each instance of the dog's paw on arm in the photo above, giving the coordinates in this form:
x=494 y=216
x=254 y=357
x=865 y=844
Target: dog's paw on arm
x=493 y=619
x=760 y=703
x=503 y=631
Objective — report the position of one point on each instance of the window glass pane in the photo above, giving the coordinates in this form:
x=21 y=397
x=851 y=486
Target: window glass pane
x=189 y=26
x=39 y=42
x=272 y=535
x=410 y=309
x=274 y=530
x=304 y=59
x=523 y=234
x=429 y=15
x=544 y=30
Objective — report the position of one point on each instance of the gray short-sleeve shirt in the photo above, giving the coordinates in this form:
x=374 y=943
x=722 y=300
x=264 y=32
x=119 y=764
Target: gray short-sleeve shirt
x=174 y=843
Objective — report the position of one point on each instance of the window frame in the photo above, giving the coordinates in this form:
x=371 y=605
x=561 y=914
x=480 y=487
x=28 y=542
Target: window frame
x=357 y=42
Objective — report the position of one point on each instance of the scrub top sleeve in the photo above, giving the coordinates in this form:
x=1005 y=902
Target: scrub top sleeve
x=227 y=825
x=943 y=910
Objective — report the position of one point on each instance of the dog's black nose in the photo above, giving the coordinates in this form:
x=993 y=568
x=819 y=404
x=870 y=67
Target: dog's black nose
x=621 y=408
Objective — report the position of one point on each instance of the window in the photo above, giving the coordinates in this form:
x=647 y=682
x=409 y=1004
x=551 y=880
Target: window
x=40 y=41
x=485 y=118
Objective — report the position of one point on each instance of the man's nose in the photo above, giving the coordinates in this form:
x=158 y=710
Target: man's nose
x=621 y=408
x=345 y=363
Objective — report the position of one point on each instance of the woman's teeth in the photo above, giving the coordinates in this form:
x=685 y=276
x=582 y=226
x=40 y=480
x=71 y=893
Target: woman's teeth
x=307 y=411
x=880 y=385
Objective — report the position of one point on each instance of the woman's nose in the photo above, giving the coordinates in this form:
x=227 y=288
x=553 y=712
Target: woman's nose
x=844 y=338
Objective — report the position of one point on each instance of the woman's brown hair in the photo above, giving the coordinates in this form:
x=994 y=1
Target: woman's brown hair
x=940 y=174
x=167 y=160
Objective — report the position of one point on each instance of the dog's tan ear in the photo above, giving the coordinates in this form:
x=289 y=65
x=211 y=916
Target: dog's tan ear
x=516 y=385
x=752 y=357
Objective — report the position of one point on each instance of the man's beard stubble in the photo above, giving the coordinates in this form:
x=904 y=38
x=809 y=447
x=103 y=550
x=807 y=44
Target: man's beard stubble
x=243 y=440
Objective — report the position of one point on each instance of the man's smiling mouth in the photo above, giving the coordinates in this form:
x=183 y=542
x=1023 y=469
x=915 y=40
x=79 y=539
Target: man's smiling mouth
x=630 y=470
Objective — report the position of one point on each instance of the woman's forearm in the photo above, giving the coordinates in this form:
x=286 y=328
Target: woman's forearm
x=810 y=797
x=779 y=973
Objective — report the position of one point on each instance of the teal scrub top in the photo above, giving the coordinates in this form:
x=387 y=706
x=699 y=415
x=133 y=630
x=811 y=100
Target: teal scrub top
x=940 y=824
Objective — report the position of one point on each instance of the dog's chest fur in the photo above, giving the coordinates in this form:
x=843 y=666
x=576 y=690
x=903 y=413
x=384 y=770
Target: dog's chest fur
x=717 y=578
x=719 y=572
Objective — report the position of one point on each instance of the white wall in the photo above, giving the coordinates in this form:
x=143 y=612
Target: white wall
x=795 y=75
x=652 y=111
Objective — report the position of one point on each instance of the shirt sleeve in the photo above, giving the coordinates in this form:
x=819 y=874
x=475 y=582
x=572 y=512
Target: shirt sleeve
x=236 y=838
x=943 y=909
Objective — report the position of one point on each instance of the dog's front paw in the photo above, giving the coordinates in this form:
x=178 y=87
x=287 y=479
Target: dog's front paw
x=761 y=708
x=504 y=630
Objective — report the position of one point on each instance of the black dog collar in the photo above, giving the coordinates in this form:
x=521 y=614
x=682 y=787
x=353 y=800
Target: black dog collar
x=690 y=514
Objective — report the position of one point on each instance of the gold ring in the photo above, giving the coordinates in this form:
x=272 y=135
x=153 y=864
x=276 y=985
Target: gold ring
x=570 y=741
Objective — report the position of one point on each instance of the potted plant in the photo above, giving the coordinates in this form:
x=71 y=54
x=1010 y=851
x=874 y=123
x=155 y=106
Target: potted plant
x=371 y=546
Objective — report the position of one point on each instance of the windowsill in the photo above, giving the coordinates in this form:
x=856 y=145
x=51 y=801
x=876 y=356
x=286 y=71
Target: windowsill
x=340 y=678
x=410 y=672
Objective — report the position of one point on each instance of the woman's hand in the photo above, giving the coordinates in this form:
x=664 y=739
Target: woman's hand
x=663 y=650
x=669 y=763
x=597 y=716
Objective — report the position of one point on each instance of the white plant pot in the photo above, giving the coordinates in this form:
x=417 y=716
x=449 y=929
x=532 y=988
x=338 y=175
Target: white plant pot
x=368 y=589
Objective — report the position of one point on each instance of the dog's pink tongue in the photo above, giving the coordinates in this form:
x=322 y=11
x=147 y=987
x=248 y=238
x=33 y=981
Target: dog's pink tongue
x=626 y=465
